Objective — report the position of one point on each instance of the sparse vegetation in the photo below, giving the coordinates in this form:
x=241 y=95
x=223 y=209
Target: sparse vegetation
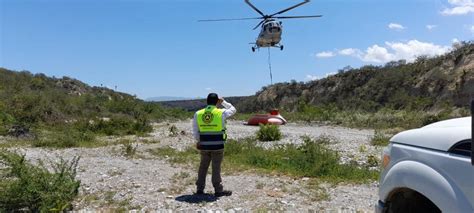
x=372 y=161
x=381 y=119
x=65 y=112
x=259 y=185
x=129 y=149
x=28 y=187
x=311 y=159
x=380 y=139
x=173 y=156
x=268 y=132
x=398 y=94
x=173 y=131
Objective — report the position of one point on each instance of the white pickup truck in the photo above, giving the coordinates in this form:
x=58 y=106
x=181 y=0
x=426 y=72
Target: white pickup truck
x=430 y=169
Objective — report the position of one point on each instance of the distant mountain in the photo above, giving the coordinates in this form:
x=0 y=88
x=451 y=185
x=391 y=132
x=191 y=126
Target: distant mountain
x=167 y=98
x=196 y=104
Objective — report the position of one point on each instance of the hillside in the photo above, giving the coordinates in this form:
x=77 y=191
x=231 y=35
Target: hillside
x=426 y=84
x=36 y=101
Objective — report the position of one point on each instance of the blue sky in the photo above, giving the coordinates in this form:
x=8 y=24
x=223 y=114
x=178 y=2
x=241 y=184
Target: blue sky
x=157 y=48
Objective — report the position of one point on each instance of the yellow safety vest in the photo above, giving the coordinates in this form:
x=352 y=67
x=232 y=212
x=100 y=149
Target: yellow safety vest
x=212 y=134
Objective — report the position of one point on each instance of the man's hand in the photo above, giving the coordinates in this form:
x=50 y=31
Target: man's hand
x=220 y=101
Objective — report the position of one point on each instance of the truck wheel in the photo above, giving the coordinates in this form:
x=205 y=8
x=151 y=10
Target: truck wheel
x=409 y=201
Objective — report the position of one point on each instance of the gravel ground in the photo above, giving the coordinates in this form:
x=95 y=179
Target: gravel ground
x=110 y=180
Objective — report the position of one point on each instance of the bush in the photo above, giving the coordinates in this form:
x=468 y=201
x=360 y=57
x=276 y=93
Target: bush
x=268 y=132
x=65 y=137
x=128 y=148
x=117 y=126
x=26 y=187
x=311 y=159
x=380 y=139
x=174 y=131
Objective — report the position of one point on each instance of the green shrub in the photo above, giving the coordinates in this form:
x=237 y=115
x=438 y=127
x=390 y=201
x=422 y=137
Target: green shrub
x=26 y=187
x=269 y=132
x=173 y=131
x=128 y=148
x=311 y=159
x=3 y=130
x=64 y=137
x=372 y=161
x=117 y=126
x=380 y=139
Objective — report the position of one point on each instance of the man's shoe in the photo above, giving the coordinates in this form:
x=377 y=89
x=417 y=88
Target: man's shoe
x=199 y=192
x=223 y=193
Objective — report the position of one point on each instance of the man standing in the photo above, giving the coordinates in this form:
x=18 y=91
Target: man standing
x=210 y=132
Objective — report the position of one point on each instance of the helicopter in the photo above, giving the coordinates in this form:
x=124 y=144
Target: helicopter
x=271 y=29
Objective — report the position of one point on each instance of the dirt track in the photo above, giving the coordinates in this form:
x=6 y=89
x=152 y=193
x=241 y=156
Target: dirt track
x=110 y=180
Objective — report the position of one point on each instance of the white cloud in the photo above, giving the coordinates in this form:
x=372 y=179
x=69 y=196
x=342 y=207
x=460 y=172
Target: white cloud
x=348 y=51
x=396 y=26
x=325 y=54
x=431 y=27
x=459 y=7
x=455 y=40
x=393 y=51
x=472 y=29
x=415 y=48
x=377 y=54
x=208 y=89
x=315 y=77
x=312 y=77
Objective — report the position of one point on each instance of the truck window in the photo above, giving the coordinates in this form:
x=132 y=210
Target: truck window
x=462 y=148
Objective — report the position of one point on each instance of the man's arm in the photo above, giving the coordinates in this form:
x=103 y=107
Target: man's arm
x=229 y=109
x=195 y=128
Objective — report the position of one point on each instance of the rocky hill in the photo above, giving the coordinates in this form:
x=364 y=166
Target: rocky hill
x=426 y=84
x=36 y=100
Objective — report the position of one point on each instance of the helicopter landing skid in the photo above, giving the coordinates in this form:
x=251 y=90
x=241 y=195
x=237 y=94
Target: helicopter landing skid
x=280 y=46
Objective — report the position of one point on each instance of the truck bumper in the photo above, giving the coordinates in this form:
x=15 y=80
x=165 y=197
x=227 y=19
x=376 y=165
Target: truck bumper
x=379 y=207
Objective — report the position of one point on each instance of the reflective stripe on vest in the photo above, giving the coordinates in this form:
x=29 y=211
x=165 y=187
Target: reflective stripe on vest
x=211 y=131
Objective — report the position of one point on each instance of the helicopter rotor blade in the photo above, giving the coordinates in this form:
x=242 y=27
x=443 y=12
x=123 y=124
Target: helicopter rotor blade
x=258 y=25
x=290 y=8
x=288 y=17
x=254 y=8
x=229 y=19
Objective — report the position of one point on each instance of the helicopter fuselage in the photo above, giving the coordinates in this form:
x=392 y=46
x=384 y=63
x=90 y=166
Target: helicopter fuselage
x=270 y=34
